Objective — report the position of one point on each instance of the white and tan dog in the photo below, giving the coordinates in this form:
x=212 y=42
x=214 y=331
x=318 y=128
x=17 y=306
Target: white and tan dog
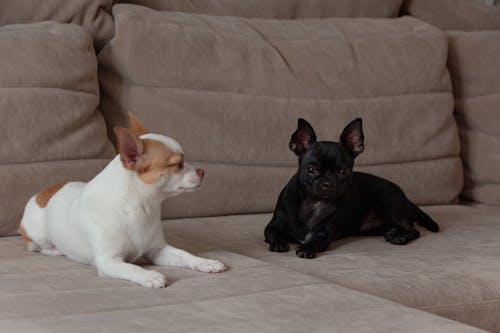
x=115 y=218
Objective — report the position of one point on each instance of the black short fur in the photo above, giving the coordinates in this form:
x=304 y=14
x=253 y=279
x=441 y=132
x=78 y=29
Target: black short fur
x=325 y=200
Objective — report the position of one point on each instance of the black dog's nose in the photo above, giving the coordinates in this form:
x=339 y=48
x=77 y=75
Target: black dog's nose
x=326 y=186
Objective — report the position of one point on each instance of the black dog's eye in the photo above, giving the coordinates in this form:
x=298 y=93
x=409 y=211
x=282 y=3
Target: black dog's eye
x=311 y=170
x=344 y=172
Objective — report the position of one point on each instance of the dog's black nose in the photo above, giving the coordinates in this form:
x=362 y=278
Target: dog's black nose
x=326 y=186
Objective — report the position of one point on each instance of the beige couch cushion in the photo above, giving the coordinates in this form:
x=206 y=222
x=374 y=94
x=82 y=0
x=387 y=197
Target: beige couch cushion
x=454 y=274
x=455 y=14
x=474 y=62
x=54 y=294
x=92 y=15
x=283 y=9
x=230 y=91
x=51 y=129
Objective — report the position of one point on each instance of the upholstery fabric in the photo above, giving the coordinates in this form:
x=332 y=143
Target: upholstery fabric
x=92 y=15
x=230 y=91
x=474 y=62
x=54 y=294
x=455 y=14
x=48 y=104
x=453 y=273
x=281 y=9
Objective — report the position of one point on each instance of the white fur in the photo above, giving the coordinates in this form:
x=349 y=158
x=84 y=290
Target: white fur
x=113 y=220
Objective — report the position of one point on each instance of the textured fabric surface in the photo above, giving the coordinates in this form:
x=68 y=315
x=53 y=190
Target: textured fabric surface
x=474 y=62
x=230 y=91
x=282 y=9
x=92 y=15
x=454 y=273
x=455 y=14
x=48 y=105
x=54 y=294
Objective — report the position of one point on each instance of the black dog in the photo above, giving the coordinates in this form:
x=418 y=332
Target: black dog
x=326 y=201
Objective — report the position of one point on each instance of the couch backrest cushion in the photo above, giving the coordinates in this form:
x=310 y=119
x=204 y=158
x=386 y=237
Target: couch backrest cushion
x=282 y=9
x=93 y=15
x=230 y=91
x=455 y=14
x=51 y=128
x=474 y=62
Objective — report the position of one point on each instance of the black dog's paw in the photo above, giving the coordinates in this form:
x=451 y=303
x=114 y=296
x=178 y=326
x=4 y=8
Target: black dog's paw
x=304 y=252
x=401 y=237
x=279 y=246
x=390 y=234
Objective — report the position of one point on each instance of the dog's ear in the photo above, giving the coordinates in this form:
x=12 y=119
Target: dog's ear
x=130 y=148
x=353 y=138
x=303 y=138
x=135 y=125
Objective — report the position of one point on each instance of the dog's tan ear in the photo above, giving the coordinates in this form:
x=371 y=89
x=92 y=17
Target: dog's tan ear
x=135 y=125
x=130 y=148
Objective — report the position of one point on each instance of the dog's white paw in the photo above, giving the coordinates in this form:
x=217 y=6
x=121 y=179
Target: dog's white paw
x=153 y=279
x=209 y=266
x=52 y=252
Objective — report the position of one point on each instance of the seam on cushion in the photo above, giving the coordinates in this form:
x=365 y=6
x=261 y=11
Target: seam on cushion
x=125 y=50
x=180 y=303
x=484 y=182
x=232 y=163
x=131 y=286
x=439 y=92
x=461 y=98
x=421 y=308
x=51 y=88
x=468 y=129
x=446 y=157
x=132 y=15
x=472 y=303
x=58 y=160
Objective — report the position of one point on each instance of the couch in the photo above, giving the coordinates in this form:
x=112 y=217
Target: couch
x=228 y=80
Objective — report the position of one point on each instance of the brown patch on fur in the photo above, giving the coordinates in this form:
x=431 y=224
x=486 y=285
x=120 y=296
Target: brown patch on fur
x=159 y=161
x=26 y=238
x=42 y=198
x=135 y=125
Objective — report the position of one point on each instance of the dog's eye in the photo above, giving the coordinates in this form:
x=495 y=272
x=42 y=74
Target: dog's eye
x=310 y=170
x=344 y=172
x=180 y=165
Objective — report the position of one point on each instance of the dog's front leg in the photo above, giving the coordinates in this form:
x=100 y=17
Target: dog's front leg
x=318 y=242
x=273 y=234
x=115 y=267
x=171 y=256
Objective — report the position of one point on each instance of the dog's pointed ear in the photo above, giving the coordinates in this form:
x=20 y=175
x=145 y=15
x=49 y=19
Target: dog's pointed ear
x=135 y=125
x=303 y=138
x=353 y=138
x=130 y=148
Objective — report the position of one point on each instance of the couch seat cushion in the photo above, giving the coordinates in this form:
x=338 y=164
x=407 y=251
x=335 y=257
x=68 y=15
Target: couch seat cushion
x=53 y=294
x=454 y=273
